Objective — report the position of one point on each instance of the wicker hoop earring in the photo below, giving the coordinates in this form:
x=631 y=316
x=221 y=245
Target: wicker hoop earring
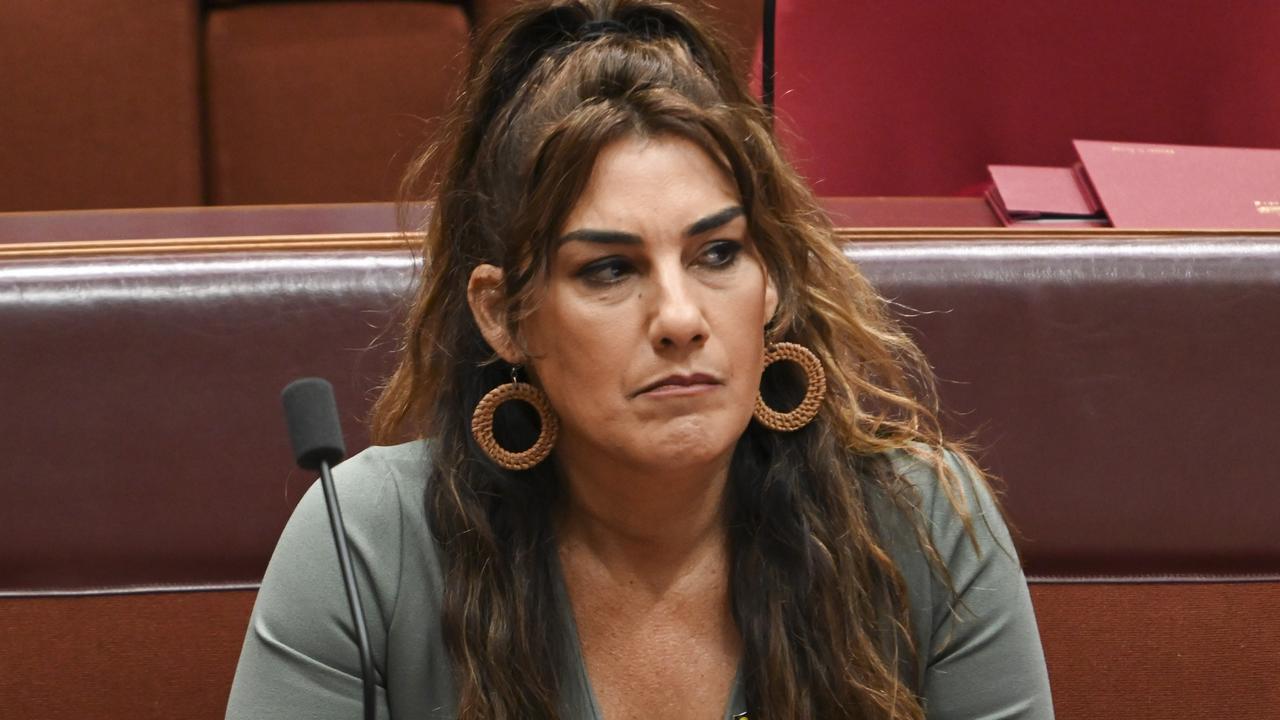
x=816 y=388
x=482 y=425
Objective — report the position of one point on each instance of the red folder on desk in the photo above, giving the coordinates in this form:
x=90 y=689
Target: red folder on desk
x=1143 y=185
x=1023 y=194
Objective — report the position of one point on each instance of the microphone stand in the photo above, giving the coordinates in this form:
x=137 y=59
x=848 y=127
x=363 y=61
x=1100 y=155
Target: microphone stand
x=353 y=592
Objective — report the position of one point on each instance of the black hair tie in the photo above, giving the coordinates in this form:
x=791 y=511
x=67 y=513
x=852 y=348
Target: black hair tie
x=597 y=29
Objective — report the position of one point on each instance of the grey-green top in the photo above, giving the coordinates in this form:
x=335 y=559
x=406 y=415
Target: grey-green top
x=300 y=660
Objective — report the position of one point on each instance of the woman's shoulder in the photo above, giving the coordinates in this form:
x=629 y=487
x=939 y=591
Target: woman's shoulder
x=381 y=495
x=975 y=625
x=402 y=467
x=298 y=655
x=382 y=492
x=947 y=492
x=939 y=495
x=384 y=481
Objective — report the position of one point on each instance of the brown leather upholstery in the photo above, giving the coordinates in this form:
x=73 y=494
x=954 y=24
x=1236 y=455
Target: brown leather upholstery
x=738 y=21
x=1130 y=651
x=325 y=101
x=1138 y=651
x=328 y=101
x=123 y=103
x=1121 y=386
x=150 y=385
x=153 y=656
x=1098 y=372
x=99 y=104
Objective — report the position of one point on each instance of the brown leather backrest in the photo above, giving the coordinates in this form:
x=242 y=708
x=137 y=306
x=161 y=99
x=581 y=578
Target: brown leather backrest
x=324 y=101
x=123 y=103
x=328 y=102
x=1123 y=388
x=99 y=104
x=739 y=22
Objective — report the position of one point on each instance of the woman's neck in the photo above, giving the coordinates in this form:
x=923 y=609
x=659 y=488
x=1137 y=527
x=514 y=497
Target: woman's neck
x=645 y=524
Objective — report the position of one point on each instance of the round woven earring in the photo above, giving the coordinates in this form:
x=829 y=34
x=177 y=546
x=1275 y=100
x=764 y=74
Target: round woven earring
x=482 y=425
x=814 y=391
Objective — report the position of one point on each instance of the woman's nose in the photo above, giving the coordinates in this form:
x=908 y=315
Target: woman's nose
x=677 y=316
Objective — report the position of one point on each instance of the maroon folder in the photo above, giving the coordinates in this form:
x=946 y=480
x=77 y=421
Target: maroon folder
x=1023 y=194
x=1144 y=185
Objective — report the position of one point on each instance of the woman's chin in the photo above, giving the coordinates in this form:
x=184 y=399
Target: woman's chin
x=687 y=443
x=681 y=443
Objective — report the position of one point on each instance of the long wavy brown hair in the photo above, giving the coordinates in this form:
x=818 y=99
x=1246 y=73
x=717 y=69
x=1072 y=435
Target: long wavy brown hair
x=820 y=605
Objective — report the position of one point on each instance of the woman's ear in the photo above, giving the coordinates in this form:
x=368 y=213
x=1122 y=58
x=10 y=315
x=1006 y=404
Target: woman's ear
x=488 y=306
x=770 y=298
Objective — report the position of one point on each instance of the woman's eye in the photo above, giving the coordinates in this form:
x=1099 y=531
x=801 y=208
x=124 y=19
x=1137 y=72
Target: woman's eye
x=606 y=272
x=721 y=253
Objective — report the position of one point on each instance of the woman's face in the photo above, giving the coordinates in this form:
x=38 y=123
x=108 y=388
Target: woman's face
x=649 y=337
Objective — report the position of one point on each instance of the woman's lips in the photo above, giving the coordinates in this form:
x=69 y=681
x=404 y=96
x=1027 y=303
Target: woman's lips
x=681 y=386
x=680 y=390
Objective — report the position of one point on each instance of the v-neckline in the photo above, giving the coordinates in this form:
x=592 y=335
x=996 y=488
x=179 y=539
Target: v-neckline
x=583 y=691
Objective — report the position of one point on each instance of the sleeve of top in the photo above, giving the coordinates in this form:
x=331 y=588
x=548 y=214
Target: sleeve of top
x=986 y=662
x=299 y=658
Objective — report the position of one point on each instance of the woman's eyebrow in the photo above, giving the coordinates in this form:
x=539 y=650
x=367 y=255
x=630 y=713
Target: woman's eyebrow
x=714 y=220
x=618 y=237
x=604 y=237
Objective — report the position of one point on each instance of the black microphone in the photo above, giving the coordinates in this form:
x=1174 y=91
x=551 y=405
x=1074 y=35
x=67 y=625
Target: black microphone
x=312 y=415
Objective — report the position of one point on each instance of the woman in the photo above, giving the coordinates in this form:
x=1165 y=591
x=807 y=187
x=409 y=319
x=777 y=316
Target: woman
x=673 y=523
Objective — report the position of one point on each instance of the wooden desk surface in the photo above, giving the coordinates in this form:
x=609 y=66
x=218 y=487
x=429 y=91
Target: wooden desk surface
x=366 y=218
